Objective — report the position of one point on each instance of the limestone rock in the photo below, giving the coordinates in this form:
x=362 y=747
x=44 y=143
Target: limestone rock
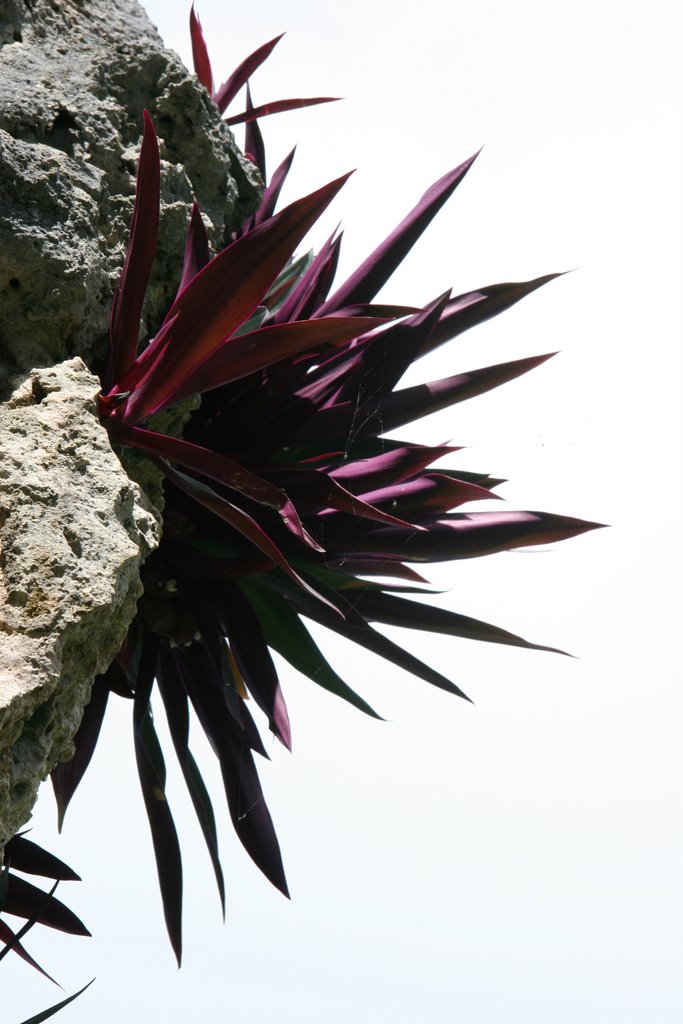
x=76 y=76
x=73 y=532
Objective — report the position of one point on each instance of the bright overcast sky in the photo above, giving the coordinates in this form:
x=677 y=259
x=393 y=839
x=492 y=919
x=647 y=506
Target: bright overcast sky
x=519 y=860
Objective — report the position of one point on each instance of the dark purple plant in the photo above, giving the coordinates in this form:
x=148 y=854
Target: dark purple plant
x=20 y=898
x=284 y=501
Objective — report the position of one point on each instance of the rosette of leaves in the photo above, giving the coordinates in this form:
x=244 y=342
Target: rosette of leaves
x=284 y=500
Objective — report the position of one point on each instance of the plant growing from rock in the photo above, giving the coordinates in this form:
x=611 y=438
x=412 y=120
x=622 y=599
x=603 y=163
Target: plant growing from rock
x=284 y=500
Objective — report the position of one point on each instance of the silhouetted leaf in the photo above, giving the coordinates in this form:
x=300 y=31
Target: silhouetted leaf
x=67 y=776
x=38 y=1018
x=152 y=773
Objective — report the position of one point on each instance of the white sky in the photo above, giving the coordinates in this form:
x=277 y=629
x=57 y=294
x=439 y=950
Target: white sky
x=519 y=860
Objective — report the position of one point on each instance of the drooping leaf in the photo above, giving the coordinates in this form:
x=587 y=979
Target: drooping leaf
x=285 y=633
x=67 y=776
x=26 y=900
x=219 y=468
x=175 y=705
x=240 y=521
x=250 y=816
x=32 y=859
x=152 y=774
x=12 y=943
x=257 y=669
x=354 y=627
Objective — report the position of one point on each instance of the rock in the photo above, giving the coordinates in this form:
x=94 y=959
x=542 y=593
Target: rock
x=74 y=528
x=73 y=532
x=76 y=76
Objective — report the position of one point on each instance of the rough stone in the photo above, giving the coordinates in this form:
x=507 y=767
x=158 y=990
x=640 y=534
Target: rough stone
x=76 y=76
x=73 y=532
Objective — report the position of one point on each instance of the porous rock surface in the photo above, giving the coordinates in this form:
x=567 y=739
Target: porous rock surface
x=73 y=532
x=75 y=77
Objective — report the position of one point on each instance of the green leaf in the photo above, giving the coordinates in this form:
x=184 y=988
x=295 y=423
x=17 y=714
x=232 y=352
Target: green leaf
x=285 y=633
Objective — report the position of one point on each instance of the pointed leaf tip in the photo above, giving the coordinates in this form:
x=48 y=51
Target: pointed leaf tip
x=375 y=271
x=200 y=54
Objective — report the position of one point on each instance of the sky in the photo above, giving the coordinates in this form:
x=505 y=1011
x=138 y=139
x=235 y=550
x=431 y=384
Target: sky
x=516 y=860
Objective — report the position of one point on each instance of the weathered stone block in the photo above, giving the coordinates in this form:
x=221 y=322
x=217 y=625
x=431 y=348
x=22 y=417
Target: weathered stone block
x=73 y=532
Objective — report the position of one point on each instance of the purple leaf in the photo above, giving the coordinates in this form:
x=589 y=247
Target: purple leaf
x=354 y=627
x=130 y=290
x=196 y=249
x=365 y=475
x=66 y=776
x=254 y=148
x=217 y=467
x=272 y=193
x=428 y=493
x=255 y=664
x=26 y=900
x=240 y=521
x=217 y=301
x=472 y=308
x=377 y=566
x=248 y=811
x=34 y=860
x=229 y=89
x=219 y=708
x=152 y=773
x=278 y=107
x=250 y=816
x=461 y=535
x=320 y=490
x=313 y=283
x=244 y=354
x=175 y=705
x=398 y=611
x=200 y=54
x=388 y=412
x=389 y=353
x=12 y=943
x=376 y=270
